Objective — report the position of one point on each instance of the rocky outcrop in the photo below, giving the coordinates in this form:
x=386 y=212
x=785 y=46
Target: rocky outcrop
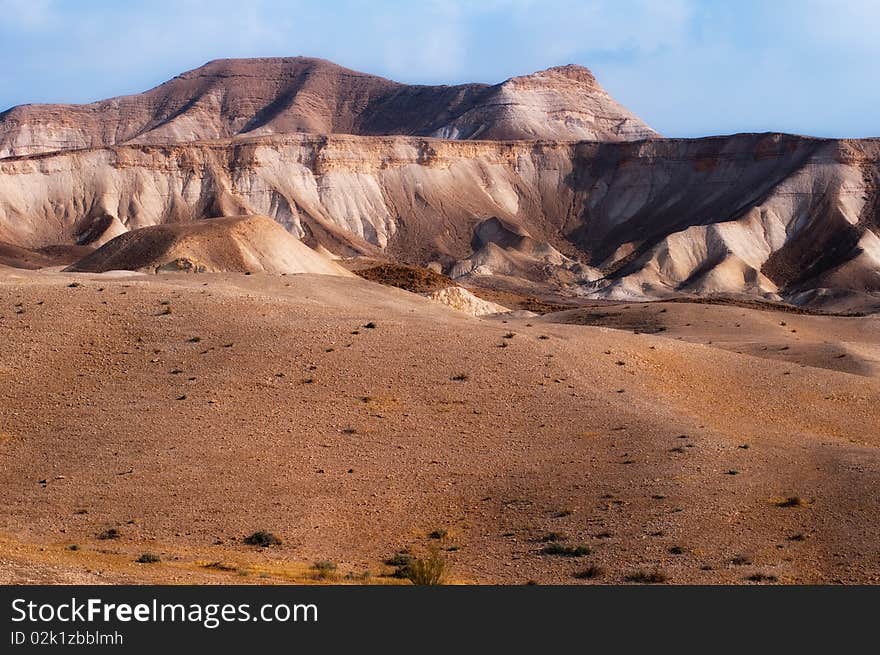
x=463 y=300
x=503 y=248
x=254 y=97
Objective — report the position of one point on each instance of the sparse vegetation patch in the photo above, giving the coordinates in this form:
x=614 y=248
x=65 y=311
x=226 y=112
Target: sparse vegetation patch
x=263 y=539
x=148 y=558
x=561 y=550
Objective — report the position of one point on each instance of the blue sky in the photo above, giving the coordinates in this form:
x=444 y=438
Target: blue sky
x=688 y=67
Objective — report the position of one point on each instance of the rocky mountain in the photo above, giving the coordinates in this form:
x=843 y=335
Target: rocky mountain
x=231 y=97
x=766 y=215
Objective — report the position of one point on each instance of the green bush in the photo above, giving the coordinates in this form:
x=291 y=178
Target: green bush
x=428 y=570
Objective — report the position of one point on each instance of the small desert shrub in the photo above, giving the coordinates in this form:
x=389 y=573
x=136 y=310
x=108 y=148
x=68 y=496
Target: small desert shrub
x=325 y=569
x=800 y=536
x=428 y=570
x=73 y=547
x=400 y=561
x=741 y=560
x=460 y=377
x=371 y=326
x=401 y=558
x=438 y=534
x=110 y=533
x=220 y=566
x=262 y=538
x=761 y=577
x=194 y=339
x=647 y=577
x=590 y=573
x=677 y=550
x=148 y=558
x=792 y=501
x=565 y=551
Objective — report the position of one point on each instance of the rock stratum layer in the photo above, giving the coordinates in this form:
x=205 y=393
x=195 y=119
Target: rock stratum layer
x=231 y=97
x=773 y=215
x=769 y=215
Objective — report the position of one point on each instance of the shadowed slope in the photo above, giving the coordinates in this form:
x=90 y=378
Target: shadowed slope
x=229 y=97
x=236 y=244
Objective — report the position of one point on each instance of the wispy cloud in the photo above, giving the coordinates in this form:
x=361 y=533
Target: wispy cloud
x=28 y=15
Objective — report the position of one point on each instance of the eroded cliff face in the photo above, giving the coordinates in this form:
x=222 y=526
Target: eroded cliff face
x=773 y=215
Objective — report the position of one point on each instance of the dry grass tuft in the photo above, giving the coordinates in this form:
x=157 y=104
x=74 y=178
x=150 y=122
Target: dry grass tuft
x=647 y=577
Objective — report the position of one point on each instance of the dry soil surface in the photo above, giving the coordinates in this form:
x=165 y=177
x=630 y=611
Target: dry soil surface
x=353 y=420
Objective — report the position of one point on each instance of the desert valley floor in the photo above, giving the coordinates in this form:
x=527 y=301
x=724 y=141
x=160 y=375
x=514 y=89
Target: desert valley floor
x=703 y=443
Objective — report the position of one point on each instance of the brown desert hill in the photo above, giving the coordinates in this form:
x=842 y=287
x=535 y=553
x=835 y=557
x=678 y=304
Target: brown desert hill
x=230 y=97
x=243 y=244
x=26 y=258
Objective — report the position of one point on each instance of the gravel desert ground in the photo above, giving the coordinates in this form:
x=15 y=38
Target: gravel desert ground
x=177 y=414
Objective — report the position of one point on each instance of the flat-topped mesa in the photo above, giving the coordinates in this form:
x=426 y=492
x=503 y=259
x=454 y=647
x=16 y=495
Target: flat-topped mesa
x=230 y=97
